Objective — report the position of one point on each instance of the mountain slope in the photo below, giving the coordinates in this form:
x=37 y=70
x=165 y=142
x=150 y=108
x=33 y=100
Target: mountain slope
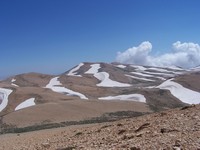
x=82 y=92
x=172 y=129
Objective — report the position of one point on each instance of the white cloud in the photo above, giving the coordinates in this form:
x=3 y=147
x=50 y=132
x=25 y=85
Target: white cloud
x=135 y=54
x=185 y=55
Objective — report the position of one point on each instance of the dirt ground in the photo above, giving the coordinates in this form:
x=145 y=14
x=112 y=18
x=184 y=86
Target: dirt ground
x=173 y=129
x=73 y=110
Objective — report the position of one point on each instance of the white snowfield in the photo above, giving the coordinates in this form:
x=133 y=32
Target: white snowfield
x=175 y=68
x=159 y=73
x=129 y=97
x=4 y=94
x=55 y=86
x=27 y=103
x=13 y=84
x=139 y=68
x=13 y=80
x=162 y=70
x=107 y=82
x=180 y=92
x=94 y=69
x=148 y=75
x=121 y=66
x=104 y=77
x=138 y=78
x=73 y=71
x=158 y=69
x=142 y=74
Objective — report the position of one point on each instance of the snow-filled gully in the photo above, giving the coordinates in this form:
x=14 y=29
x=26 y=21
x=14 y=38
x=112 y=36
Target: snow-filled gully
x=55 y=86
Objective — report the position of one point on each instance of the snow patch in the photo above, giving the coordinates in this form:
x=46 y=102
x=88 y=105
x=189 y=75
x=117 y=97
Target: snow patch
x=142 y=74
x=4 y=94
x=107 y=82
x=27 y=103
x=159 y=70
x=13 y=84
x=150 y=87
x=138 y=78
x=94 y=69
x=147 y=75
x=53 y=82
x=165 y=72
x=55 y=86
x=13 y=80
x=104 y=77
x=175 y=68
x=121 y=66
x=73 y=72
x=159 y=73
x=139 y=68
x=129 y=97
x=180 y=92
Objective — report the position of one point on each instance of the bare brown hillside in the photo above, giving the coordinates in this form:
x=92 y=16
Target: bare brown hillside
x=173 y=129
x=93 y=90
x=74 y=110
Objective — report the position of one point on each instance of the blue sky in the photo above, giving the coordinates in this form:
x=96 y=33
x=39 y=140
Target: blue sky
x=51 y=36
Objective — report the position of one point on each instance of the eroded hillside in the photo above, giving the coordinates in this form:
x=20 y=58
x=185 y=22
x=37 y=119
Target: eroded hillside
x=91 y=90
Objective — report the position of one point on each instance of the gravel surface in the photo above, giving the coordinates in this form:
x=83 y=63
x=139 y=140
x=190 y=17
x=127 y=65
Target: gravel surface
x=177 y=129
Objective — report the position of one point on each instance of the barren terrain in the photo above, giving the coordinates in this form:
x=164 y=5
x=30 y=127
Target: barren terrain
x=173 y=129
x=93 y=93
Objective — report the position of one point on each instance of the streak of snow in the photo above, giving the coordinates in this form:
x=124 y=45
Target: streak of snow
x=4 y=94
x=159 y=70
x=94 y=69
x=104 y=77
x=142 y=74
x=73 y=72
x=150 y=87
x=164 y=72
x=129 y=97
x=159 y=73
x=180 y=92
x=13 y=84
x=13 y=80
x=53 y=82
x=147 y=75
x=55 y=86
x=175 y=68
x=121 y=66
x=141 y=68
x=27 y=103
x=107 y=82
x=144 y=79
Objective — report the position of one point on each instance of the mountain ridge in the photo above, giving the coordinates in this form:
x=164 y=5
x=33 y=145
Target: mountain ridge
x=89 y=86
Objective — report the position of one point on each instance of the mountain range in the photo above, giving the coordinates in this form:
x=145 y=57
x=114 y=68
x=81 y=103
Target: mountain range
x=94 y=92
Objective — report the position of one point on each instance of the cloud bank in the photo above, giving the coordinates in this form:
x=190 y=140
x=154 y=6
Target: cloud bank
x=185 y=55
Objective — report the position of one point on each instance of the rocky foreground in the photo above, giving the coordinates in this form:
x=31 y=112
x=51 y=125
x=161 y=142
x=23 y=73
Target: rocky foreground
x=177 y=129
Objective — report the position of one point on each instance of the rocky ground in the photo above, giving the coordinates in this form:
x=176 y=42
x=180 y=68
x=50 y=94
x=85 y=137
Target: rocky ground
x=177 y=129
